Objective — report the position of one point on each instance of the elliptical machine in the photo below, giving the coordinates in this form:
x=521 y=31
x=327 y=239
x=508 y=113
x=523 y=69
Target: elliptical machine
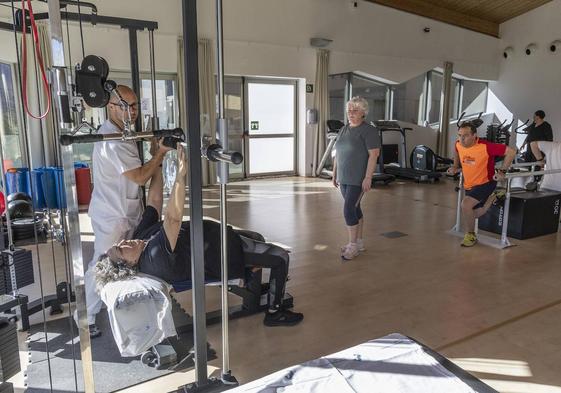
x=423 y=158
x=520 y=156
x=499 y=133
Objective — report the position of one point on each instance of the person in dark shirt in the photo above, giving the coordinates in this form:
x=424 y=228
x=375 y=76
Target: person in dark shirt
x=162 y=249
x=539 y=130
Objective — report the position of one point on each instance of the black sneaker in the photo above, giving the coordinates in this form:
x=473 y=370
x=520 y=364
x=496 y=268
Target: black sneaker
x=283 y=318
x=94 y=331
x=532 y=186
x=265 y=288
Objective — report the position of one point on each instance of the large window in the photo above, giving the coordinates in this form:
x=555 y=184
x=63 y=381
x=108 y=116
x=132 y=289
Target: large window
x=474 y=97
x=337 y=85
x=83 y=151
x=433 y=104
x=10 y=121
x=344 y=86
x=415 y=101
x=165 y=101
x=434 y=93
x=455 y=104
x=375 y=93
x=408 y=100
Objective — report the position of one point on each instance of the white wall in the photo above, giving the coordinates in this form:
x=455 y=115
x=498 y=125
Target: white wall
x=372 y=38
x=527 y=83
x=271 y=38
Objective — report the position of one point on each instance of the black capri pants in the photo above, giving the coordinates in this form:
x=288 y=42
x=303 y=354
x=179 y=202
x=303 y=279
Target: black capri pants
x=351 y=210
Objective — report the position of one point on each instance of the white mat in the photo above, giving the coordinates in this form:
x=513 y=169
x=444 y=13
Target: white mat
x=393 y=363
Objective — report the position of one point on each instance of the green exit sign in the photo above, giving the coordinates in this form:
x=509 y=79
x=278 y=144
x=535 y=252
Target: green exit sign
x=254 y=125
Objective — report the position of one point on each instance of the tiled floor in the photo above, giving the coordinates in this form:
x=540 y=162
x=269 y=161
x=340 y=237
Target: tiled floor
x=496 y=311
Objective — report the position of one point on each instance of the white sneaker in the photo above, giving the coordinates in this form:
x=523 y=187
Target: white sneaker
x=360 y=245
x=351 y=251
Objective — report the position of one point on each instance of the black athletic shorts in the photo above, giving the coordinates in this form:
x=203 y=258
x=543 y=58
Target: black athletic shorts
x=481 y=192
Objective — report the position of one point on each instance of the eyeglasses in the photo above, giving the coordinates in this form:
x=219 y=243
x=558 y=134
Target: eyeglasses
x=134 y=105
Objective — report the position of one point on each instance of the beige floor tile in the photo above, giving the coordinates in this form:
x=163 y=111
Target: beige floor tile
x=424 y=284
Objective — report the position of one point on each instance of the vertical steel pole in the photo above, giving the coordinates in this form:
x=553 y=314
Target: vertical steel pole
x=155 y=125
x=504 y=229
x=223 y=168
x=458 y=226
x=135 y=77
x=73 y=225
x=191 y=70
x=445 y=100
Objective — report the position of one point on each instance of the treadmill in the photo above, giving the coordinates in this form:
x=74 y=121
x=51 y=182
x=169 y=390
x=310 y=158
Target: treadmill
x=325 y=167
x=400 y=169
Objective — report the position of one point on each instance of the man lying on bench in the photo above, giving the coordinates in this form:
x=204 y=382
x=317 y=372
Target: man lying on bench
x=162 y=249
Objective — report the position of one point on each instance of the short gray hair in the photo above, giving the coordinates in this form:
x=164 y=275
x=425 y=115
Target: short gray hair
x=360 y=103
x=108 y=270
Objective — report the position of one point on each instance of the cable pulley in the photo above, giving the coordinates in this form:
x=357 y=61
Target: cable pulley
x=91 y=81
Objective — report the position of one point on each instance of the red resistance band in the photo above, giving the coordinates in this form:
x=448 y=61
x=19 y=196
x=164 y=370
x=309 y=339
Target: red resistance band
x=39 y=59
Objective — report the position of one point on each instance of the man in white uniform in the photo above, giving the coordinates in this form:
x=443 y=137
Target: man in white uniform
x=116 y=205
x=551 y=151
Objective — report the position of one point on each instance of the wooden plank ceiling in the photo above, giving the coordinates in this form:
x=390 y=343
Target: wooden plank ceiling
x=483 y=16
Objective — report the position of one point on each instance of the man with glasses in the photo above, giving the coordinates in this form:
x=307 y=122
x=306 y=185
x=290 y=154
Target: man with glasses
x=476 y=157
x=116 y=206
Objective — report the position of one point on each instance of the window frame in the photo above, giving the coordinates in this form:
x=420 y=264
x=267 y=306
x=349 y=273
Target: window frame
x=424 y=113
x=126 y=75
x=460 y=96
x=19 y=113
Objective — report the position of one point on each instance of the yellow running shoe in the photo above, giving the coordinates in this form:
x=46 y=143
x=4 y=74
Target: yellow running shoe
x=469 y=240
x=500 y=196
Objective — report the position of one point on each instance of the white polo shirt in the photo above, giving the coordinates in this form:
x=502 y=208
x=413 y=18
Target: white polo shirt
x=552 y=152
x=114 y=196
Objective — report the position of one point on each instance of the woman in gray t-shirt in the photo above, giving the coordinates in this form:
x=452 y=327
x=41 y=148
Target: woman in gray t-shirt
x=357 y=150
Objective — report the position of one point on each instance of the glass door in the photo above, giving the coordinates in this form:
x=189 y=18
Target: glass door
x=270 y=127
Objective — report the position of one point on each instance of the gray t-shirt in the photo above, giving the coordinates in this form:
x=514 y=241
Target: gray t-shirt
x=352 y=148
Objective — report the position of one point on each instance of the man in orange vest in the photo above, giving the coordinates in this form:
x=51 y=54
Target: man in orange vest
x=477 y=160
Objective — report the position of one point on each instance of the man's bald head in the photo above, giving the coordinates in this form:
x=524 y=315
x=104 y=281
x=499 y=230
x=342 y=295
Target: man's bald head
x=115 y=111
x=124 y=91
